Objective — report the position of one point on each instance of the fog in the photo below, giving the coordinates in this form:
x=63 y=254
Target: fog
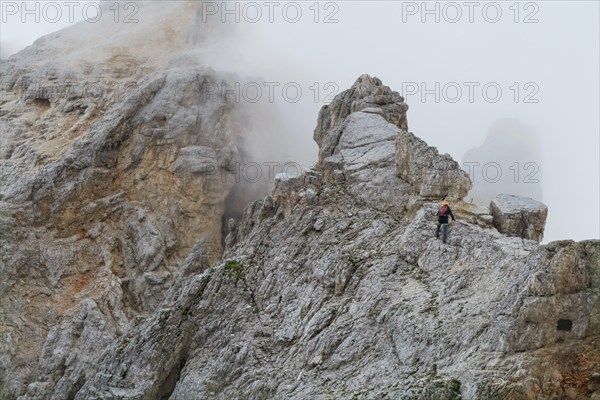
x=511 y=84
x=512 y=163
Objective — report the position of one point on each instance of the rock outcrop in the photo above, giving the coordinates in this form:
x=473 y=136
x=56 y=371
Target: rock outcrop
x=114 y=285
x=432 y=175
x=100 y=231
x=364 y=154
x=519 y=216
x=115 y=162
x=367 y=94
x=321 y=294
x=365 y=127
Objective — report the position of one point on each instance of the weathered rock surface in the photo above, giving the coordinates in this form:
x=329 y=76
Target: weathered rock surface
x=433 y=175
x=519 y=216
x=368 y=94
x=130 y=199
x=115 y=162
x=333 y=287
x=365 y=127
x=323 y=295
x=337 y=301
x=365 y=155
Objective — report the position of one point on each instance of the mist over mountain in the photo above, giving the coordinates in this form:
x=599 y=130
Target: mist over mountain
x=168 y=233
x=508 y=161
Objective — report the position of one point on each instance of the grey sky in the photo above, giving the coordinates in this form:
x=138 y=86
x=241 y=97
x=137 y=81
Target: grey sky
x=554 y=61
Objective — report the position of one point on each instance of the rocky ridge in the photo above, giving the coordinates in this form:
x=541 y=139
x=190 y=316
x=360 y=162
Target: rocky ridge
x=115 y=160
x=329 y=290
x=118 y=284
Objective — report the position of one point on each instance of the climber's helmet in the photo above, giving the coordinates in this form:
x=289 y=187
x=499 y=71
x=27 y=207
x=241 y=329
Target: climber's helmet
x=446 y=203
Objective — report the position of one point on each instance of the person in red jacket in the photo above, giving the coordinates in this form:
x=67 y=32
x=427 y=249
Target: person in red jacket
x=443 y=213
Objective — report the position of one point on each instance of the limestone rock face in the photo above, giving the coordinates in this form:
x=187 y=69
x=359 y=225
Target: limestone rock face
x=432 y=175
x=323 y=292
x=365 y=154
x=115 y=163
x=114 y=286
x=367 y=93
x=519 y=216
x=339 y=300
x=365 y=127
x=99 y=232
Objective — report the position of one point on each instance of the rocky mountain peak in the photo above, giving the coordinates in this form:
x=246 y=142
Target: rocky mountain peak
x=116 y=284
x=332 y=290
x=367 y=93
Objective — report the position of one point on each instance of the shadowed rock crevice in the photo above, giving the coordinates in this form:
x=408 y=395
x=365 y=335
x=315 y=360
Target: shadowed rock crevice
x=564 y=325
x=168 y=386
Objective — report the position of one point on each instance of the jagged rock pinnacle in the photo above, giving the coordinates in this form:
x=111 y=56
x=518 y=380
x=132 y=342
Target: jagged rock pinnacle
x=334 y=286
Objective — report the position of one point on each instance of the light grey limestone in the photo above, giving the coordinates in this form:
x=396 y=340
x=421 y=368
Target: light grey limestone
x=519 y=216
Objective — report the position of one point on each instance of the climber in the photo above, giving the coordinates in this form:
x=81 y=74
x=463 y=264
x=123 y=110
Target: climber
x=443 y=213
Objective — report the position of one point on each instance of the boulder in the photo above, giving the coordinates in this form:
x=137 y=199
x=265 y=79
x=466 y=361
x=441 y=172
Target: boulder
x=519 y=216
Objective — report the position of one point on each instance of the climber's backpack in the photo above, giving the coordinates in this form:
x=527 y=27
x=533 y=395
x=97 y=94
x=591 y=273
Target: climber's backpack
x=443 y=211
